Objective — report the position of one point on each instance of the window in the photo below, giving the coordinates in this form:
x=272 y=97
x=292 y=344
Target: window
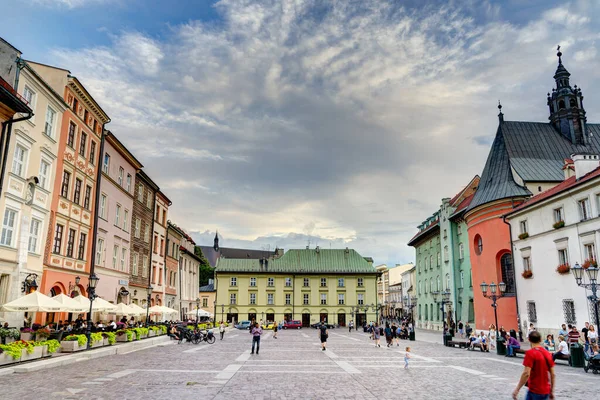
x=590 y=251
x=205 y=303
x=120 y=178
x=70 y=243
x=288 y=299
x=252 y=298
x=149 y=200
x=136 y=233
x=448 y=281
x=44 y=174
x=81 y=250
x=360 y=282
x=64 y=190
x=431 y=285
x=323 y=298
x=288 y=282
x=462 y=279
x=82 y=144
x=233 y=281
x=558 y=214
x=92 y=152
x=563 y=257
x=118 y=215
x=523 y=226
x=431 y=261
x=437 y=284
x=128 y=187
x=360 y=299
x=478 y=244
x=459 y=229
x=77 y=194
x=569 y=311
x=527 y=263
x=341 y=299
x=531 y=312
x=71 y=136
x=106 y=165
x=270 y=282
x=147 y=233
x=439 y=259
x=88 y=195
x=445 y=234
x=99 y=250
x=269 y=298
x=34 y=231
x=306 y=282
x=123 y=255
x=508 y=272
x=19 y=160
x=323 y=282
x=49 y=126
x=253 y=282
x=134 y=266
x=446 y=254
x=584 y=209
x=115 y=255
x=29 y=96
x=8 y=227
x=141 y=193
x=419 y=288
x=461 y=251
x=232 y=298
x=305 y=299
x=145 y=267
x=164 y=217
x=58 y=234
x=340 y=282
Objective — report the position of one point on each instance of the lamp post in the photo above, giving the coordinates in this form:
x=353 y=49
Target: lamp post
x=197 y=309
x=444 y=298
x=592 y=273
x=150 y=288
x=93 y=282
x=494 y=296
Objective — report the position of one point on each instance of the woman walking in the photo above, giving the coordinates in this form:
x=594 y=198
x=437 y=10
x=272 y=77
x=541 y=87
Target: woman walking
x=275 y=331
x=222 y=329
x=388 y=334
x=492 y=337
x=376 y=335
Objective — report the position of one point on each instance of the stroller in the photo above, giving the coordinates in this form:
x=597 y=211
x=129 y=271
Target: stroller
x=592 y=363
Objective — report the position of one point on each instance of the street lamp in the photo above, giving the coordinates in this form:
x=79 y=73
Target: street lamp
x=444 y=298
x=92 y=283
x=150 y=288
x=494 y=296
x=592 y=273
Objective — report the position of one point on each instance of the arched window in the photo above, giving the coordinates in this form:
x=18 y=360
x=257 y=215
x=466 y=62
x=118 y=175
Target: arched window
x=437 y=283
x=431 y=311
x=419 y=287
x=431 y=285
x=478 y=244
x=426 y=312
x=419 y=311
x=508 y=272
x=572 y=103
x=561 y=105
x=431 y=261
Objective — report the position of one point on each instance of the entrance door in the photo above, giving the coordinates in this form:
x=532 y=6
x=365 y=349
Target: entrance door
x=270 y=317
x=251 y=316
x=361 y=319
x=342 y=319
x=305 y=320
x=287 y=317
x=323 y=317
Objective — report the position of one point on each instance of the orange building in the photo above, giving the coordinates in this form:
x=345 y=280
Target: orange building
x=70 y=229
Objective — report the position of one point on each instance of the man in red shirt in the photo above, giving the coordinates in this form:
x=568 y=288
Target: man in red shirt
x=538 y=364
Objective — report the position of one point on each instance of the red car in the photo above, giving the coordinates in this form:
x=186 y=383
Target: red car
x=292 y=325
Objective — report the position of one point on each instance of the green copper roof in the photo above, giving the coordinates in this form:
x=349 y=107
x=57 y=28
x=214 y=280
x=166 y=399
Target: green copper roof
x=309 y=261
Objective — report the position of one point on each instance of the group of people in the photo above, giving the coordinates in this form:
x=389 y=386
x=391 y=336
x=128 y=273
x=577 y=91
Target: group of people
x=392 y=333
x=568 y=335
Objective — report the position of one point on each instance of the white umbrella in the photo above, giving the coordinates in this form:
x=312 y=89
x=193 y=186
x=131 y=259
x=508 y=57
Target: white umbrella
x=123 y=309
x=99 y=304
x=162 y=310
x=33 y=302
x=201 y=313
x=137 y=310
x=69 y=304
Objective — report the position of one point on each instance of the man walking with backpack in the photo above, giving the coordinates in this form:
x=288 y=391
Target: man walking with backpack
x=538 y=365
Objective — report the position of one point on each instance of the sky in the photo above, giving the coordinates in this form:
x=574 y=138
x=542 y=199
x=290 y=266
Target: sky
x=330 y=123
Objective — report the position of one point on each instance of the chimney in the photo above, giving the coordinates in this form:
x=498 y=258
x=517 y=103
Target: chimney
x=584 y=164
x=278 y=252
x=568 y=168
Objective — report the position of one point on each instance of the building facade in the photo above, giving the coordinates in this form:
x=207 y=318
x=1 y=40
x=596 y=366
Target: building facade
x=172 y=259
x=309 y=285
x=189 y=275
x=383 y=283
x=115 y=213
x=208 y=297
x=159 y=246
x=557 y=227
x=409 y=285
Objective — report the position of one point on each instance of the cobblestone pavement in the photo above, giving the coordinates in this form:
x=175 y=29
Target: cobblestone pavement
x=292 y=366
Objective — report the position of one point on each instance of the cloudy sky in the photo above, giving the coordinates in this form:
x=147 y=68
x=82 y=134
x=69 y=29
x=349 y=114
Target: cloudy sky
x=340 y=122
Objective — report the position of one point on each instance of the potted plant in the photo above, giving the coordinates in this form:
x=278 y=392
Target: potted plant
x=523 y=235
x=73 y=343
x=124 y=335
x=26 y=334
x=558 y=224
x=590 y=262
x=563 y=269
x=97 y=339
x=42 y=334
x=109 y=338
x=9 y=335
x=49 y=347
x=527 y=274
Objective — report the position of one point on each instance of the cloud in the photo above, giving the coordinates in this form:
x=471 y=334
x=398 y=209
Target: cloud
x=346 y=121
x=71 y=3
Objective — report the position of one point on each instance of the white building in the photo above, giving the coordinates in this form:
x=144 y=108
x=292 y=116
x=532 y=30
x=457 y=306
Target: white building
x=541 y=243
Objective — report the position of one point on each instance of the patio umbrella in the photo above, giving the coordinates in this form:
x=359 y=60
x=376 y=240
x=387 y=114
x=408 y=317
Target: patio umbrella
x=162 y=310
x=201 y=313
x=123 y=309
x=137 y=310
x=69 y=304
x=33 y=302
x=100 y=304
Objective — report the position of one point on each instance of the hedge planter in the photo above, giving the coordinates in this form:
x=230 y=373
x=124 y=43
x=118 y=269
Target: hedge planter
x=37 y=353
x=97 y=344
x=151 y=333
x=105 y=342
x=26 y=336
x=70 y=346
x=6 y=359
x=45 y=352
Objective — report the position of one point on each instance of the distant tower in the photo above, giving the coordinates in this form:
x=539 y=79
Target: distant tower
x=567 y=114
x=216 y=245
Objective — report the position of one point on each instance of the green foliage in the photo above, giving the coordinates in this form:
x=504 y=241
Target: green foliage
x=127 y=332
x=206 y=271
x=11 y=350
x=163 y=328
x=81 y=339
x=53 y=345
x=139 y=332
x=12 y=333
x=111 y=336
x=96 y=337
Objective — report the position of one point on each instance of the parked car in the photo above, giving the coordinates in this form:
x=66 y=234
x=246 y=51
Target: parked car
x=294 y=324
x=243 y=325
x=268 y=325
x=317 y=325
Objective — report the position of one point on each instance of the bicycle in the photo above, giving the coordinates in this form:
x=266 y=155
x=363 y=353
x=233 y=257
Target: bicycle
x=200 y=336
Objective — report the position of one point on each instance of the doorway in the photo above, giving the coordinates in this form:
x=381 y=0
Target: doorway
x=361 y=319
x=270 y=317
x=251 y=316
x=323 y=317
x=305 y=320
x=341 y=320
x=287 y=317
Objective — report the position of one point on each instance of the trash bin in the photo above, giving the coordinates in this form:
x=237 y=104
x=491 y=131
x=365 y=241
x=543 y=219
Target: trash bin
x=411 y=335
x=501 y=347
x=447 y=338
x=576 y=359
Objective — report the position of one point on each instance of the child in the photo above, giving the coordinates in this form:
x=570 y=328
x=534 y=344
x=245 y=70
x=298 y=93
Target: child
x=406 y=357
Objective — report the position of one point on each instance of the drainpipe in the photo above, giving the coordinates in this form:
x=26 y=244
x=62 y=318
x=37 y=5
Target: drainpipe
x=179 y=273
x=512 y=258
x=6 y=132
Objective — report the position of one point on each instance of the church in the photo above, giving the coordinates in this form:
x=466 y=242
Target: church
x=214 y=252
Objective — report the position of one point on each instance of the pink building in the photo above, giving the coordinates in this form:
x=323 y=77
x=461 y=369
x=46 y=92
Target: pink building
x=115 y=210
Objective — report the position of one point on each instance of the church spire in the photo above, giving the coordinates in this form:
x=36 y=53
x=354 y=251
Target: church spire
x=500 y=114
x=216 y=244
x=567 y=114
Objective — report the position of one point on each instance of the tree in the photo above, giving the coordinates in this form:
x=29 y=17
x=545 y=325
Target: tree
x=206 y=271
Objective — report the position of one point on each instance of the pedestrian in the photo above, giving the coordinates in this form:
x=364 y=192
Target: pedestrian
x=511 y=345
x=468 y=329
x=395 y=334
x=388 y=334
x=256 y=332
x=573 y=336
x=376 y=335
x=275 y=331
x=350 y=326
x=323 y=334
x=531 y=329
x=563 y=331
x=492 y=336
x=537 y=365
x=406 y=357
x=222 y=329
x=586 y=340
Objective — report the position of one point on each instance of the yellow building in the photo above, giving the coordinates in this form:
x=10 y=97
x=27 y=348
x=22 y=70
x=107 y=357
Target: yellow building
x=309 y=285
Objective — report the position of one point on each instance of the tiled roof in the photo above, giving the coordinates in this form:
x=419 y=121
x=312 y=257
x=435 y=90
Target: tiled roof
x=212 y=256
x=458 y=198
x=563 y=186
x=207 y=288
x=307 y=261
x=425 y=232
x=463 y=205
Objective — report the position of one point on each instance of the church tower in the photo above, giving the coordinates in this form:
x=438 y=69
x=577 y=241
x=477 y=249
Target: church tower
x=216 y=244
x=567 y=114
